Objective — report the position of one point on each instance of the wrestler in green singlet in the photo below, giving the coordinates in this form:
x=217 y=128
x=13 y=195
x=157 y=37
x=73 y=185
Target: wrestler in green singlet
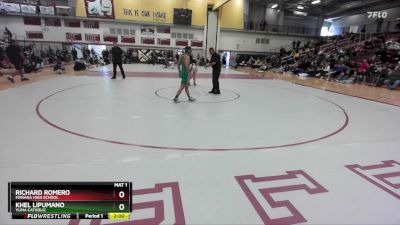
x=183 y=67
x=184 y=72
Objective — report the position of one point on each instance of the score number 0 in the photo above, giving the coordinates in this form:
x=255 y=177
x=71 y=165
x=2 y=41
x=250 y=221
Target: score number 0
x=121 y=195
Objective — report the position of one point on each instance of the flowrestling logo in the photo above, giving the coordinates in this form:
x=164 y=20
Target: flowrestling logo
x=377 y=14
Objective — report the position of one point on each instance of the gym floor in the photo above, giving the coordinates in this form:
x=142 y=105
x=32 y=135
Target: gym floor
x=265 y=151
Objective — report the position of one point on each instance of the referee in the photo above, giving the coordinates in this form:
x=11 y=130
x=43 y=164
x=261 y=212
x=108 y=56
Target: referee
x=215 y=63
x=117 y=53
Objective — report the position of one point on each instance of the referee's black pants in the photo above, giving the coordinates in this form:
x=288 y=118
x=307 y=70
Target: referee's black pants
x=215 y=78
x=119 y=63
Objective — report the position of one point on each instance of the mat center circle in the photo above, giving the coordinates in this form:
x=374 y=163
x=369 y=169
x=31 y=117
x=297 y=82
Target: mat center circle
x=126 y=113
x=200 y=93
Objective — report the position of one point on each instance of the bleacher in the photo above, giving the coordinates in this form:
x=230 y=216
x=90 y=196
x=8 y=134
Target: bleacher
x=354 y=48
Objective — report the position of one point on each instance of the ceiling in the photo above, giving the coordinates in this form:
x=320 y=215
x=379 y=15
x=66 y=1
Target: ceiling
x=331 y=8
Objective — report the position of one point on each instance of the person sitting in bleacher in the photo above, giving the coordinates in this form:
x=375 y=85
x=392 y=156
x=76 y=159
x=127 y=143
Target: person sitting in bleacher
x=359 y=49
x=296 y=55
x=257 y=63
x=362 y=71
x=59 y=68
x=382 y=76
x=5 y=64
x=265 y=64
x=352 y=67
x=349 y=76
x=372 y=73
x=393 y=80
x=340 y=71
x=323 y=70
x=304 y=66
x=250 y=62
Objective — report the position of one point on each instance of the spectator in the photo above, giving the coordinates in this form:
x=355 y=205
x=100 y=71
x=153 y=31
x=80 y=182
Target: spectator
x=58 y=54
x=94 y=55
x=251 y=25
x=129 y=56
x=153 y=58
x=87 y=51
x=106 y=54
x=193 y=69
x=1 y=54
x=84 y=53
x=36 y=58
x=38 y=4
x=363 y=71
x=363 y=30
x=17 y=58
x=177 y=58
x=44 y=56
x=394 y=79
x=74 y=54
x=7 y=35
x=325 y=69
x=296 y=55
x=384 y=75
x=59 y=68
x=65 y=55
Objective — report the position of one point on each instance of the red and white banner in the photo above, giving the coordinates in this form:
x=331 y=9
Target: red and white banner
x=74 y=36
x=148 y=40
x=147 y=30
x=34 y=35
x=92 y=38
x=182 y=43
x=196 y=43
x=164 y=41
x=128 y=39
x=110 y=38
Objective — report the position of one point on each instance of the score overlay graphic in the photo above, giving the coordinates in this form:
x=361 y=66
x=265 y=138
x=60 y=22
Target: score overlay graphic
x=161 y=204
x=70 y=200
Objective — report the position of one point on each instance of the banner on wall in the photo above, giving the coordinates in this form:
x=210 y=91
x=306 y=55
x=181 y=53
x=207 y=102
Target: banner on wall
x=2 y=7
x=28 y=9
x=148 y=40
x=11 y=7
x=128 y=39
x=147 y=30
x=47 y=10
x=63 y=10
x=141 y=10
x=100 y=9
x=145 y=15
x=153 y=11
x=353 y=29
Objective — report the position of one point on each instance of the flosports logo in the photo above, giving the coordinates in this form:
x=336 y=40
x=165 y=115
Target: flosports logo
x=375 y=14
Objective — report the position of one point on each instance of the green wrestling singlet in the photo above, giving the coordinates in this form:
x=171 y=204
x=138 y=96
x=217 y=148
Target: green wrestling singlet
x=184 y=72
